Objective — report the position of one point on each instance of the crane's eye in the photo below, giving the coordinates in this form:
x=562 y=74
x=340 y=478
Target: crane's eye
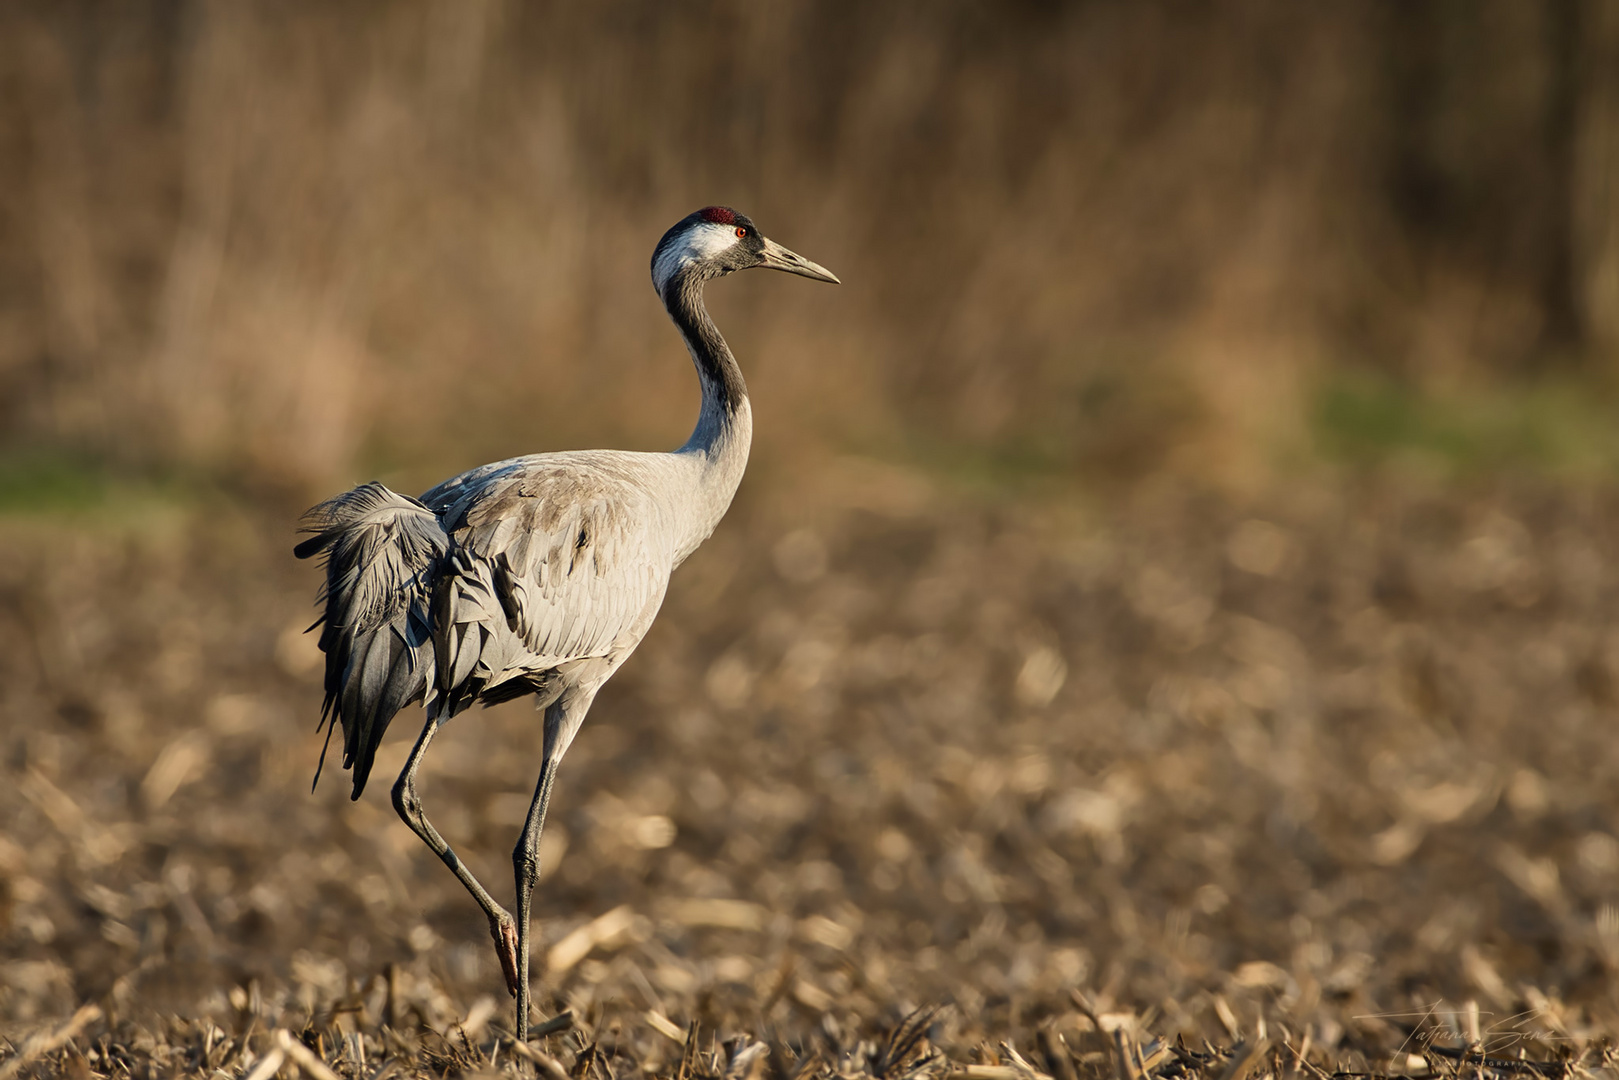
x=740 y=232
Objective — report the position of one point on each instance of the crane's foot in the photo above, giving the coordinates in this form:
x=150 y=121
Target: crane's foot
x=505 y=934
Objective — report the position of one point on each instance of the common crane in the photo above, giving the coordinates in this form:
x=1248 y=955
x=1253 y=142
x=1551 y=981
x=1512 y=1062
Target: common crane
x=536 y=576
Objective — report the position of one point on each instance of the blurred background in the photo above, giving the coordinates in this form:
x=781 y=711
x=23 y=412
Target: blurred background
x=1174 y=565
x=287 y=246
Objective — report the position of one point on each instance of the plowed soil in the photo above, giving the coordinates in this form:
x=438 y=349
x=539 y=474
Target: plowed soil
x=1175 y=786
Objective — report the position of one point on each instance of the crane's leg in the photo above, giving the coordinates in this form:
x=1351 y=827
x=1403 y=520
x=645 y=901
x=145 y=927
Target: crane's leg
x=526 y=871
x=409 y=806
x=562 y=720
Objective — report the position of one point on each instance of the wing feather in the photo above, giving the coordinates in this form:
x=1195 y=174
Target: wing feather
x=381 y=551
x=553 y=562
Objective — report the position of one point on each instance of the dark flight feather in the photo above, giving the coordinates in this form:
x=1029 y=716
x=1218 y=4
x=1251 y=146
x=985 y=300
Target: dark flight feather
x=381 y=552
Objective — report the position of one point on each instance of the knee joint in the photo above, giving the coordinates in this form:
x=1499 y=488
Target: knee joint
x=406 y=802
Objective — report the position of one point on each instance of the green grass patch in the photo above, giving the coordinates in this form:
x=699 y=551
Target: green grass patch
x=62 y=487
x=1558 y=427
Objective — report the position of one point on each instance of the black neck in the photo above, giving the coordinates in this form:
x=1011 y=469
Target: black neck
x=723 y=389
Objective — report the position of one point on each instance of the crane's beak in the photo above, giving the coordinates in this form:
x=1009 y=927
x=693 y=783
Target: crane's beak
x=776 y=257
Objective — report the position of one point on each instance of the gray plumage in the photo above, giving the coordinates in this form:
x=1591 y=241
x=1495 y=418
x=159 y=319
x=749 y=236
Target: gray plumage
x=536 y=576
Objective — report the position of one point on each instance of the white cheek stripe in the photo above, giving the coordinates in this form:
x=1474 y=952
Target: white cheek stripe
x=703 y=241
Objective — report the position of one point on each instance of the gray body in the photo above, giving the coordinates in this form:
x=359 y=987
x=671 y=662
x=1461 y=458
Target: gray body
x=536 y=576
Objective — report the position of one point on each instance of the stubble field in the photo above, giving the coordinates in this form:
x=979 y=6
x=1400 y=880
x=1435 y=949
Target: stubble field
x=1326 y=779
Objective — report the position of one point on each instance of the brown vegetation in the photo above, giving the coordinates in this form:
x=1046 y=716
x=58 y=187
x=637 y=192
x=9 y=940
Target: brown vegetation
x=282 y=242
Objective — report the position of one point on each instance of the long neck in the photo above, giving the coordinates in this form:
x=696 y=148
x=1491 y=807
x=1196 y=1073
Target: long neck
x=724 y=428
x=725 y=425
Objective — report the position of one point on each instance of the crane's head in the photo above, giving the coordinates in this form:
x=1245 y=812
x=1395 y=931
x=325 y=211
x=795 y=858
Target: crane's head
x=717 y=240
